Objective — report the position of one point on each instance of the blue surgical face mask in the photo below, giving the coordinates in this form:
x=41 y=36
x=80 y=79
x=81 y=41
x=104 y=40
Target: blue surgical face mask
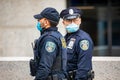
x=39 y=26
x=72 y=28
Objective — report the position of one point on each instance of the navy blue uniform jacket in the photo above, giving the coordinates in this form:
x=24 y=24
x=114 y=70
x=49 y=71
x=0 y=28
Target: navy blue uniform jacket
x=48 y=49
x=79 y=53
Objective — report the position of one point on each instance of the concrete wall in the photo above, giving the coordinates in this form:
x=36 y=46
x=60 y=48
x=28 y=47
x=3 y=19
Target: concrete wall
x=17 y=68
x=17 y=25
x=106 y=68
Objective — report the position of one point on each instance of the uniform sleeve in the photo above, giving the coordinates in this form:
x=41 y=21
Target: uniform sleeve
x=48 y=55
x=84 y=50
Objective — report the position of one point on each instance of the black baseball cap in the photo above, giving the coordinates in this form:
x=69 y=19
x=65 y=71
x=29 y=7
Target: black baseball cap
x=49 y=13
x=70 y=13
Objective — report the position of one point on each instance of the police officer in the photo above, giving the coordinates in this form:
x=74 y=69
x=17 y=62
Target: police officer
x=79 y=45
x=50 y=47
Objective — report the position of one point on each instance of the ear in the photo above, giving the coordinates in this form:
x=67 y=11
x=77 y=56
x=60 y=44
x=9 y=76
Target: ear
x=46 y=22
x=80 y=20
x=63 y=22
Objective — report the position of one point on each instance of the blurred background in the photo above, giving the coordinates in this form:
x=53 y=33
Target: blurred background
x=101 y=19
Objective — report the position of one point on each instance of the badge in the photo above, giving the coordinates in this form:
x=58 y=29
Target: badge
x=71 y=43
x=71 y=11
x=84 y=44
x=63 y=42
x=50 y=46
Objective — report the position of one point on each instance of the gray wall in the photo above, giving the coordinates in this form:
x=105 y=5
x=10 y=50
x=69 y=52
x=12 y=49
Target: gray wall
x=17 y=68
x=17 y=25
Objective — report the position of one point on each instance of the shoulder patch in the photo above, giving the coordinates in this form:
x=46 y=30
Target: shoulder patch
x=71 y=43
x=50 y=46
x=84 y=44
x=63 y=42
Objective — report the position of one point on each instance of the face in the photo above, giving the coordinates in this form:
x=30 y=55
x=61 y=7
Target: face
x=44 y=22
x=69 y=21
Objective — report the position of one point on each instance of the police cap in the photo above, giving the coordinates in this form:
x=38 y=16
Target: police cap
x=49 y=13
x=70 y=13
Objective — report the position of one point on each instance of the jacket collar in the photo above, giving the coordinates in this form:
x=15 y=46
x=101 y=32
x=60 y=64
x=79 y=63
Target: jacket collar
x=49 y=29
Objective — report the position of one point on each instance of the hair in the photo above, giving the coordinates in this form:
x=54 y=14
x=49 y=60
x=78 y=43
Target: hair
x=53 y=23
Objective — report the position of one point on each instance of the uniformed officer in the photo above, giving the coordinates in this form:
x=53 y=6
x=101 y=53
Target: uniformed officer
x=79 y=45
x=50 y=47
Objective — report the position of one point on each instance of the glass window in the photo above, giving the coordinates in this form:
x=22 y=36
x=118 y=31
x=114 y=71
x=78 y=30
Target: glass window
x=97 y=20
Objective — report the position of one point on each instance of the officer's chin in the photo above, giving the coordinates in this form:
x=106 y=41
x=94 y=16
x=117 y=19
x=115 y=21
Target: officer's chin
x=67 y=31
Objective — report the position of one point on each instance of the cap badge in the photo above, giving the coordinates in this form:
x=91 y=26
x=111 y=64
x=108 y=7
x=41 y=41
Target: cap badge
x=71 y=11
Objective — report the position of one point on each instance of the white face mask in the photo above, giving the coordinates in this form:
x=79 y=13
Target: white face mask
x=72 y=28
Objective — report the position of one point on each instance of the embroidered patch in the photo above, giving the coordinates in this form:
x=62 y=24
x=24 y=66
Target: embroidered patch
x=84 y=44
x=71 y=43
x=50 y=46
x=63 y=42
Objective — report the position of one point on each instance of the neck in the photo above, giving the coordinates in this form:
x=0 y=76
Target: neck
x=47 y=26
